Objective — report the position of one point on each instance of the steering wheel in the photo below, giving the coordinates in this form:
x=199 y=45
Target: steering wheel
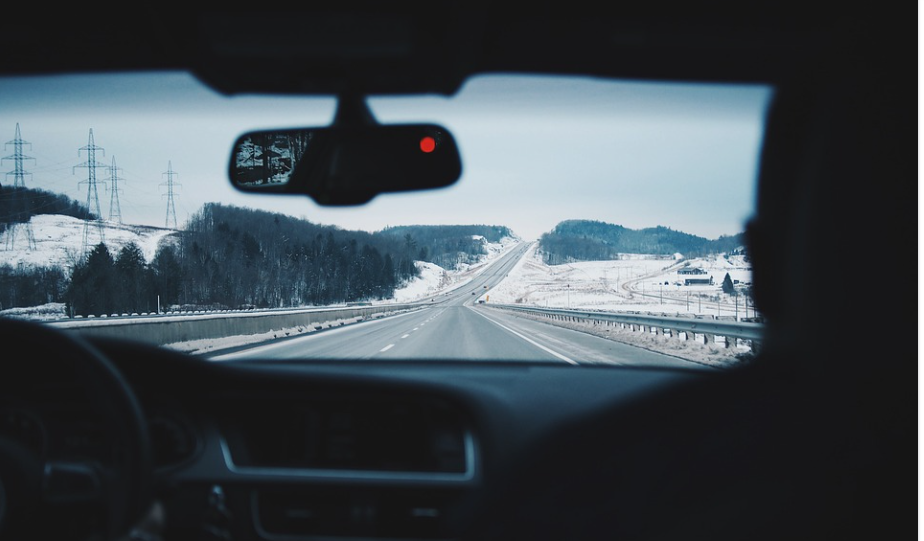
x=45 y=496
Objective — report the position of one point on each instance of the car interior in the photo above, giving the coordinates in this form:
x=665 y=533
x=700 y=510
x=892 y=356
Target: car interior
x=816 y=438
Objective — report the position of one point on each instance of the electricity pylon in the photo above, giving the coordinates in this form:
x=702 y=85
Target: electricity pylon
x=20 y=221
x=115 y=211
x=171 y=210
x=92 y=194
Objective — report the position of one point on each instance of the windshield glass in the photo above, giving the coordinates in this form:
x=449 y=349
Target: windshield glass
x=590 y=217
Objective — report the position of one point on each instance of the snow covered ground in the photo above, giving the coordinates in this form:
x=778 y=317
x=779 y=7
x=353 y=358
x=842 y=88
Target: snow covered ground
x=636 y=283
x=633 y=283
x=434 y=279
x=58 y=240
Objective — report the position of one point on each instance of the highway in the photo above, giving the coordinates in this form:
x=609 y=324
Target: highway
x=454 y=326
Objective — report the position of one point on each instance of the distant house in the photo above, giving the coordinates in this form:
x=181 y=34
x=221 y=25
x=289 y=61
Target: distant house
x=691 y=270
x=698 y=281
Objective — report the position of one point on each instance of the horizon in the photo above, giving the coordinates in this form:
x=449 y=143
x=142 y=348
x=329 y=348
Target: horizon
x=535 y=150
x=180 y=227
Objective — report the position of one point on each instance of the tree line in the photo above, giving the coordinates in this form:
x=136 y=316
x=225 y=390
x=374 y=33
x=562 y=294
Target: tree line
x=106 y=283
x=226 y=257
x=236 y=256
x=589 y=240
x=18 y=205
x=448 y=246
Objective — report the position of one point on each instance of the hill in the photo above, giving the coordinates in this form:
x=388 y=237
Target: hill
x=17 y=205
x=449 y=246
x=589 y=240
x=56 y=240
x=225 y=257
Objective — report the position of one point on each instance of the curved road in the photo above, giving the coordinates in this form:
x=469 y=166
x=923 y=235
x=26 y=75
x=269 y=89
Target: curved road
x=455 y=327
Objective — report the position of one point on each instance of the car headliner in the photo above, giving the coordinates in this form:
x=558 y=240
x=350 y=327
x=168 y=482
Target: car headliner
x=433 y=47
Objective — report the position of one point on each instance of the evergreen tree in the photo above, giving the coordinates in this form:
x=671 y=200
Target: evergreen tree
x=727 y=285
x=24 y=286
x=131 y=280
x=91 y=287
x=166 y=275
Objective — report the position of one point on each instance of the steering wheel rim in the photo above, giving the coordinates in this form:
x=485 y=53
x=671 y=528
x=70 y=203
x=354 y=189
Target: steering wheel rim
x=37 y=488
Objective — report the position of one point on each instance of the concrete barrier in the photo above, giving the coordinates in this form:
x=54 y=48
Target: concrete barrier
x=170 y=329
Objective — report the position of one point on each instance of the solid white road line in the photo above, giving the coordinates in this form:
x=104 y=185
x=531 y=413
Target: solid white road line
x=533 y=342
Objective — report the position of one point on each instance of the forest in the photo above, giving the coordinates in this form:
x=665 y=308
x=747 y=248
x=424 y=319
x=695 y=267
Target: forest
x=589 y=240
x=449 y=246
x=229 y=257
x=18 y=205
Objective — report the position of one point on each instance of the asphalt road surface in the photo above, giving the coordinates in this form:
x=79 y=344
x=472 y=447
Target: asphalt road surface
x=455 y=326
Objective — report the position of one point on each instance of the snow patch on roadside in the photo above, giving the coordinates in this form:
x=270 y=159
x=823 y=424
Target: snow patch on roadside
x=435 y=280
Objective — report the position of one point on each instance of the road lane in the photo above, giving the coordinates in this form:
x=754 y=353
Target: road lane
x=454 y=327
x=458 y=333
x=357 y=341
x=582 y=347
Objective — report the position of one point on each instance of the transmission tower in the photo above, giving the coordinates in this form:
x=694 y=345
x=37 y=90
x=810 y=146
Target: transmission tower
x=171 y=210
x=115 y=212
x=92 y=194
x=20 y=221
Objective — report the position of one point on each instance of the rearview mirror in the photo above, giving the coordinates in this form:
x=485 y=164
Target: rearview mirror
x=345 y=165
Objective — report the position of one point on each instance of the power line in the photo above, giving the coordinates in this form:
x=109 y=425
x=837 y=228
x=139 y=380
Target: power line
x=92 y=194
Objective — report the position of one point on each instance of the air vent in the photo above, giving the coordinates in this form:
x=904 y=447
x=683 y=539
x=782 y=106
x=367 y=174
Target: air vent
x=369 y=512
x=173 y=438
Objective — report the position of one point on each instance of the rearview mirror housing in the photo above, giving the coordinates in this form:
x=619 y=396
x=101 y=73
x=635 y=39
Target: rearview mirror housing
x=345 y=165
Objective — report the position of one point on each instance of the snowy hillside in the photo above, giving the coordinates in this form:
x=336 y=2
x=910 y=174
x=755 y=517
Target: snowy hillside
x=434 y=279
x=632 y=283
x=58 y=240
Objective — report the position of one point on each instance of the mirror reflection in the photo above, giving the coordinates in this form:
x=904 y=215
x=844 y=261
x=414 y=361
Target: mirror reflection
x=268 y=158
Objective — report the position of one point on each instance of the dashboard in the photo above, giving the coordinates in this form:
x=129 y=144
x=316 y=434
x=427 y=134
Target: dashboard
x=285 y=450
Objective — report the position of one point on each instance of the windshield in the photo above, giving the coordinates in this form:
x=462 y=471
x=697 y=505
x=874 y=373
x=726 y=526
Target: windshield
x=593 y=222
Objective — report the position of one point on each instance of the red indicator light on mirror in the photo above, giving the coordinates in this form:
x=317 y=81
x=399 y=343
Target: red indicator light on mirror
x=427 y=144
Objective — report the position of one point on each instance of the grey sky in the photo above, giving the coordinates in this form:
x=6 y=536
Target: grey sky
x=630 y=153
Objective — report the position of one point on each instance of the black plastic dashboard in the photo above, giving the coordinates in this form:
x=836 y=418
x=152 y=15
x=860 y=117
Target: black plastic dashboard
x=343 y=449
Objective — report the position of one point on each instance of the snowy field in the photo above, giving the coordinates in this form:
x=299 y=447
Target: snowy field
x=636 y=283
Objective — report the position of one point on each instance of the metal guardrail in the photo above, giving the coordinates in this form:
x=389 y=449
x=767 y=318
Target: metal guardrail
x=176 y=328
x=709 y=328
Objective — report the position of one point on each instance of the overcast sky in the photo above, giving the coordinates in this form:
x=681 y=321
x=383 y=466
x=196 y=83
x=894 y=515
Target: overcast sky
x=535 y=151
